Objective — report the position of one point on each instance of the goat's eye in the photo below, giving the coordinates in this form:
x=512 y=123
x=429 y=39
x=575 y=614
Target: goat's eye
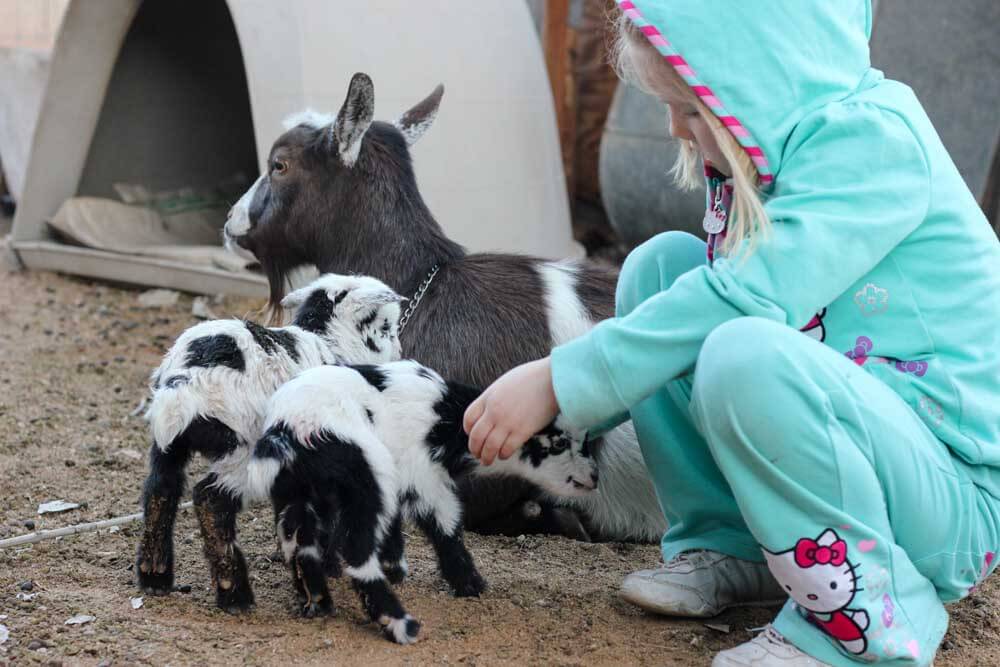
x=279 y=166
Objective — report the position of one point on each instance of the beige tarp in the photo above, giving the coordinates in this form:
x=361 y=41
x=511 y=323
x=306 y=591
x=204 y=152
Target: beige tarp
x=109 y=225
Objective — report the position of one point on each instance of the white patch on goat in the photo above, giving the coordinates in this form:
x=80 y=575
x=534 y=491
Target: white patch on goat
x=310 y=118
x=397 y=628
x=261 y=474
x=171 y=410
x=435 y=491
x=567 y=316
x=289 y=544
x=311 y=551
x=370 y=571
x=231 y=471
x=238 y=222
x=349 y=151
x=412 y=133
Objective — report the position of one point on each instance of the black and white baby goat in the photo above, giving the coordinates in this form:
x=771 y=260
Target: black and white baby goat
x=350 y=451
x=209 y=396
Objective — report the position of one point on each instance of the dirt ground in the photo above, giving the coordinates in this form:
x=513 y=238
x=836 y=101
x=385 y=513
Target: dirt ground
x=74 y=358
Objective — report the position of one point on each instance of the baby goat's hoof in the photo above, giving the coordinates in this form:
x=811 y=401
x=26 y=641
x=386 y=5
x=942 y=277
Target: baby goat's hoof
x=237 y=608
x=472 y=587
x=321 y=607
x=153 y=578
x=395 y=572
x=234 y=600
x=156 y=584
x=401 y=630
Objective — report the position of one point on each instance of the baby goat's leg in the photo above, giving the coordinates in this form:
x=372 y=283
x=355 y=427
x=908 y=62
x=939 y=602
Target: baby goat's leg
x=391 y=553
x=161 y=494
x=300 y=534
x=439 y=515
x=216 y=510
x=360 y=552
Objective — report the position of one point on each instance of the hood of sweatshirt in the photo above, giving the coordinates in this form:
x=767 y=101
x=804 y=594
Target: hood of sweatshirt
x=761 y=66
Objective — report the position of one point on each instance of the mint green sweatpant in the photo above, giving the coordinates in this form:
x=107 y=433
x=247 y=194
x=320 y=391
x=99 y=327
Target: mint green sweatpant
x=780 y=449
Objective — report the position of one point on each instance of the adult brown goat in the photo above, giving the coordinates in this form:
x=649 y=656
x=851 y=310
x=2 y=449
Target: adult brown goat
x=340 y=193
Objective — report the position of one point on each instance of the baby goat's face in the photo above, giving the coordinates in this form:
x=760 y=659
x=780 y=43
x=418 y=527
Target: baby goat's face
x=560 y=463
x=359 y=315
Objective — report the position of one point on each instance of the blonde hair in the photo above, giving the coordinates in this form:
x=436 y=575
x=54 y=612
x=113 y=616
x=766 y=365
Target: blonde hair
x=638 y=62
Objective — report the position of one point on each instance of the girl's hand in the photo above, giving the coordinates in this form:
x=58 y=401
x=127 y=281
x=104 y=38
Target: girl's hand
x=511 y=410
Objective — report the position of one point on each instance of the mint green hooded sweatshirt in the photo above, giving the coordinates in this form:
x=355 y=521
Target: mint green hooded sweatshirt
x=872 y=222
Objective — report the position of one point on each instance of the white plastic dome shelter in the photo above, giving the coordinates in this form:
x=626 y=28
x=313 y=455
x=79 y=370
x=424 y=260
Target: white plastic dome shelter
x=172 y=93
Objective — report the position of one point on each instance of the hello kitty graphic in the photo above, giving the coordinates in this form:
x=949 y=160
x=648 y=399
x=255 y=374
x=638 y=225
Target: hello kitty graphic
x=818 y=576
x=815 y=328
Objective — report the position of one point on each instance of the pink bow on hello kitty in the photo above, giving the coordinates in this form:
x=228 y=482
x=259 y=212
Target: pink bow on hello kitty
x=808 y=553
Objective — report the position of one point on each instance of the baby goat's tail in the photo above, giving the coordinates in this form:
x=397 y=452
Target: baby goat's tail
x=171 y=410
x=272 y=453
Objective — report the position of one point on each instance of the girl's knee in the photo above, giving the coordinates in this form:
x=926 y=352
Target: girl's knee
x=738 y=363
x=735 y=349
x=654 y=266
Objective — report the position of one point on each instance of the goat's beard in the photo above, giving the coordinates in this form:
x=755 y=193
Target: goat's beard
x=277 y=281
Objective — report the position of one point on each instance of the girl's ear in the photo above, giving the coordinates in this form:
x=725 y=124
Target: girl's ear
x=354 y=118
x=417 y=120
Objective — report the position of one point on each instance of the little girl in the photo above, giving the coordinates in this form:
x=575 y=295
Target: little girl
x=816 y=390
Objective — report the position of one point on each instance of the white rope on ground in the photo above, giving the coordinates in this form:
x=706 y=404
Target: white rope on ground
x=31 y=538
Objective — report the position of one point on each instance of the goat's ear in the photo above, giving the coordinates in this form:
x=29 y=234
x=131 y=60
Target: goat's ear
x=415 y=122
x=295 y=299
x=365 y=298
x=354 y=118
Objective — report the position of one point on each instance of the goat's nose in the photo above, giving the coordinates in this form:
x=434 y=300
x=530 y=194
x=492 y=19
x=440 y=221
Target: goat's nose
x=229 y=213
x=593 y=477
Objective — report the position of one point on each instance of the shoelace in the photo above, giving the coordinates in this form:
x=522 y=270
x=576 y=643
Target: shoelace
x=773 y=636
x=695 y=557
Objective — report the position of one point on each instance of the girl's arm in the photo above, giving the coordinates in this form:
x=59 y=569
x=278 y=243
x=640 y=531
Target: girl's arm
x=854 y=183
x=517 y=405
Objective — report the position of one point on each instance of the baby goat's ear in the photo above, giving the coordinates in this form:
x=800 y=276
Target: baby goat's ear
x=365 y=298
x=415 y=122
x=354 y=118
x=295 y=299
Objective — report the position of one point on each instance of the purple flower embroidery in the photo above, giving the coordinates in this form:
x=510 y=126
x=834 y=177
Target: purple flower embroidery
x=918 y=368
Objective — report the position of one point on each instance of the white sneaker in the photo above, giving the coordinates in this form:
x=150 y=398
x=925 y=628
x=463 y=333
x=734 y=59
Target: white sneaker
x=702 y=583
x=768 y=649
